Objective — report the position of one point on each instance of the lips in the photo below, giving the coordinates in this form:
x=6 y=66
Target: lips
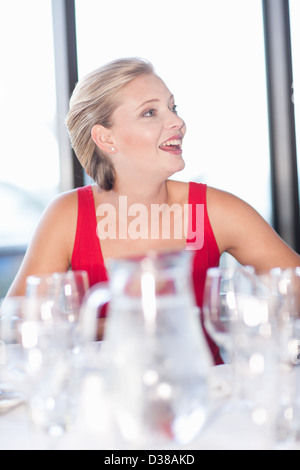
x=172 y=145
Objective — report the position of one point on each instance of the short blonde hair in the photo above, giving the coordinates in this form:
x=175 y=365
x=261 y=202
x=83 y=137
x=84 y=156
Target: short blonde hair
x=93 y=101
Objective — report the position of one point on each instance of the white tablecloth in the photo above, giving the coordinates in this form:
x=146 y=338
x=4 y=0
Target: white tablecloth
x=227 y=431
x=227 y=428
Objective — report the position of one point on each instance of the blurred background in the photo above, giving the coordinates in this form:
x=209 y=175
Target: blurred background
x=233 y=66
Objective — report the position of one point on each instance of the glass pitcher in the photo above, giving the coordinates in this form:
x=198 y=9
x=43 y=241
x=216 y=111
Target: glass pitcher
x=158 y=359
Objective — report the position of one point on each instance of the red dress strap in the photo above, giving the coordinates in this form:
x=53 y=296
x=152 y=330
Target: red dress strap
x=206 y=256
x=87 y=254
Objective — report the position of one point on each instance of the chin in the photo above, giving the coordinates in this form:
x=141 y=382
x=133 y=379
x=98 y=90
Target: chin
x=179 y=166
x=174 y=170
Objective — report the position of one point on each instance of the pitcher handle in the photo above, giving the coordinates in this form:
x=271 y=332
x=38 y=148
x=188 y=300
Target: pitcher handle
x=96 y=297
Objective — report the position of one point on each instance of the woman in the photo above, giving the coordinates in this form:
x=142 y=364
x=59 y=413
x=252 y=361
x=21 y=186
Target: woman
x=126 y=133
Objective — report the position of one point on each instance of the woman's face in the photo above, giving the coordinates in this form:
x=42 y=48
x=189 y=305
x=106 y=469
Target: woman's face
x=147 y=132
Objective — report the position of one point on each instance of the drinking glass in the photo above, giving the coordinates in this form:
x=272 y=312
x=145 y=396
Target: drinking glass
x=220 y=305
x=61 y=295
x=220 y=316
x=35 y=363
x=12 y=379
x=286 y=304
x=256 y=347
x=24 y=338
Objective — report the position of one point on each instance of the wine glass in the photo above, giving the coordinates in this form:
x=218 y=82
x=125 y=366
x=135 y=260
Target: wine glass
x=220 y=314
x=286 y=307
x=25 y=341
x=257 y=347
x=220 y=305
x=35 y=365
x=11 y=391
x=61 y=294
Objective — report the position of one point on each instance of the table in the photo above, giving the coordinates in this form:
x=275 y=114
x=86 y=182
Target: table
x=227 y=429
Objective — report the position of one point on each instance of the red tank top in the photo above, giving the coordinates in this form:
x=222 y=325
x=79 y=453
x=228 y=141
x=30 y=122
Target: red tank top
x=87 y=254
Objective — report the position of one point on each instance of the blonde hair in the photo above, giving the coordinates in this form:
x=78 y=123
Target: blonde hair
x=93 y=101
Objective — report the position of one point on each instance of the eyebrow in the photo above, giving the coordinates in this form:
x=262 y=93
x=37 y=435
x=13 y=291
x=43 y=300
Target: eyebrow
x=155 y=100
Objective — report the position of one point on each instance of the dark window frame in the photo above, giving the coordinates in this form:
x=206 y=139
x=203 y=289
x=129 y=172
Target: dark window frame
x=66 y=71
x=282 y=129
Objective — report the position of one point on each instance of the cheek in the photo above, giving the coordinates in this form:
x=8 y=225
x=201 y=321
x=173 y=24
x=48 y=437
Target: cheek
x=139 y=139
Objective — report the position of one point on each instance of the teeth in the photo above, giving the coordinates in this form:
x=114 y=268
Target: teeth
x=169 y=143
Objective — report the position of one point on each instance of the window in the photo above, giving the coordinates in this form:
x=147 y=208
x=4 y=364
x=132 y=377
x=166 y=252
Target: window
x=211 y=55
x=29 y=175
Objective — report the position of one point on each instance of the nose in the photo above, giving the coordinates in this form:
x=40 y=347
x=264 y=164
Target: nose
x=176 y=122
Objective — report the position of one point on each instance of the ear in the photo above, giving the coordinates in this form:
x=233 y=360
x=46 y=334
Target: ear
x=103 y=138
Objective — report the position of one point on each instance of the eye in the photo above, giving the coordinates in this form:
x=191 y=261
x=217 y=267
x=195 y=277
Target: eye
x=150 y=113
x=174 y=109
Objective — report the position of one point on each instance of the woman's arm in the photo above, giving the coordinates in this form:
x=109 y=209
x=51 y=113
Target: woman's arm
x=52 y=244
x=242 y=232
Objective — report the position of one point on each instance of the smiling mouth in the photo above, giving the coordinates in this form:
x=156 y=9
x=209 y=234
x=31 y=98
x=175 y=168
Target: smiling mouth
x=173 y=146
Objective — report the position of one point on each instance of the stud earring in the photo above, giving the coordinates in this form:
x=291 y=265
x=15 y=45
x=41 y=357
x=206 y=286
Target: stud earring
x=112 y=149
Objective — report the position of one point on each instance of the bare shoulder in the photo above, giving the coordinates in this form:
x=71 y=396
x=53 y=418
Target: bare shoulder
x=67 y=201
x=52 y=243
x=225 y=212
x=241 y=231
x=222 y=203
x=178 y=191
x=60 y=218
x=219 y=196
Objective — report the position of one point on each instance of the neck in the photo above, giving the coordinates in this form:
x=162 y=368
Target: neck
x=146 y=193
